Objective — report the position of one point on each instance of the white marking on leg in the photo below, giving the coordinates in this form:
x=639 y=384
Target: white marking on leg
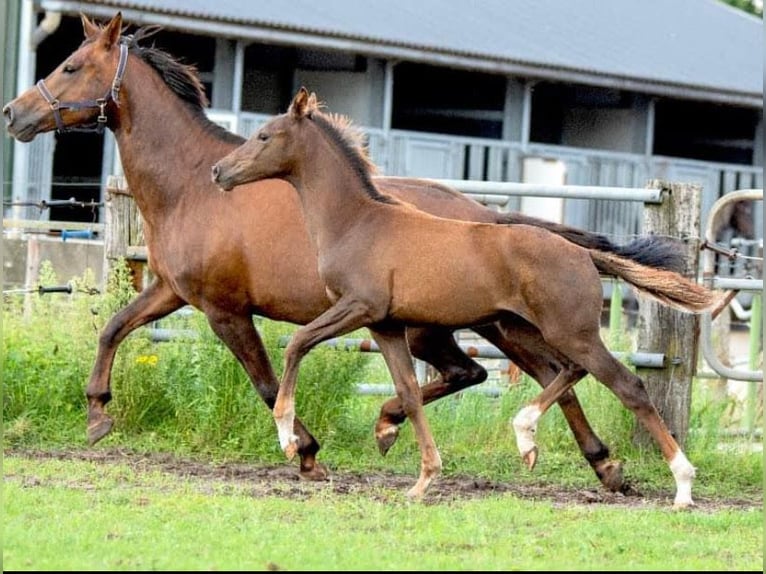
x=525 y=426
x=285 y=429
x=683 y=472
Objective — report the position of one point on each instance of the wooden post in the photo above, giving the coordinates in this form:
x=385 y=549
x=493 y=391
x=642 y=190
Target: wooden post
x=123 y=229
x=32 y=274
x=665 y=330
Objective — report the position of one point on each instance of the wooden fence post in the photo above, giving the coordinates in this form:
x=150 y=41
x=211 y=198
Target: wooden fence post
x=123 y=229
x=665 y=330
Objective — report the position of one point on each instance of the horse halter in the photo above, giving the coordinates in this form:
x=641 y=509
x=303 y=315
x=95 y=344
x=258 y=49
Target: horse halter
x=113 y=94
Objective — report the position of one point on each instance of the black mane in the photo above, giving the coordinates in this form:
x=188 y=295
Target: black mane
x=182 y=79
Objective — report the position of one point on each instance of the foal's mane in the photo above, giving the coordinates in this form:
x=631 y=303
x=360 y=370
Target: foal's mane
x=350 y=139
x=182 y=79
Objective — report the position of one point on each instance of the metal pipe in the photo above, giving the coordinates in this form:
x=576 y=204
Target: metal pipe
x=47 y=26
x=566 y=191
x=638 y=359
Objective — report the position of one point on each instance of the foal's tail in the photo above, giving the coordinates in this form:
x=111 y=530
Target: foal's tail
x=653 y=251
x=667 y=287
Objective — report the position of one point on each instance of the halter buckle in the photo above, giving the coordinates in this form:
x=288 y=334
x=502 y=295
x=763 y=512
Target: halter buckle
x=102 y=110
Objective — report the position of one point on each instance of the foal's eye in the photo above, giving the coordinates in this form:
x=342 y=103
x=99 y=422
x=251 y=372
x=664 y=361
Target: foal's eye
x=262 y=137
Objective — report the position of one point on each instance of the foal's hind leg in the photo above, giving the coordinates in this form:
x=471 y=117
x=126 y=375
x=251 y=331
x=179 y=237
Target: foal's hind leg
x=525 y=422
x=154 y=302
x=594 y=356
x=240 y=336
x=523 y=343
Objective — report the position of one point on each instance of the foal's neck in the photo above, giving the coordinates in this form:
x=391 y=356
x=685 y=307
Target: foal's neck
x=334 y=195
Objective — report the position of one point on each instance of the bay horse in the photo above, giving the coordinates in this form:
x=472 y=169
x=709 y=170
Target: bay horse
x=384 y=266
x=249 y=254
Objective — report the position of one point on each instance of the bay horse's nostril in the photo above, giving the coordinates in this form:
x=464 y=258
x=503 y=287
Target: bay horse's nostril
x=8 y=114
x=215 y=172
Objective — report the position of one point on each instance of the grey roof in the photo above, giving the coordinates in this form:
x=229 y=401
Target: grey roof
x=689 y=48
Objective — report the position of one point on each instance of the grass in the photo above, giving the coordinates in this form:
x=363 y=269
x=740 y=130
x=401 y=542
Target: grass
x=74 y=515
x=191 y=398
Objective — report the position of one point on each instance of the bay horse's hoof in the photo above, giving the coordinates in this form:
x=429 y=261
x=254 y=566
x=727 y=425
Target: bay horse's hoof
x=316 y=473
x=683 y=505
x=98 y=429
x=611 y=476
x=530 y=458
x=386 y=438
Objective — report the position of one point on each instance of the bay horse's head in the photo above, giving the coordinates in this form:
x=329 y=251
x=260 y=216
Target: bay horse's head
x=79 y=92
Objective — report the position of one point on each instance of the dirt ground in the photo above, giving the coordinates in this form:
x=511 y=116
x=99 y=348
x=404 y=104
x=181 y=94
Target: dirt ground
x=283 y=480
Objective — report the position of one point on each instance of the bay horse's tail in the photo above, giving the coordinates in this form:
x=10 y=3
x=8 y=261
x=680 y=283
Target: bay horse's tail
x=653 y=251
x=667 y=287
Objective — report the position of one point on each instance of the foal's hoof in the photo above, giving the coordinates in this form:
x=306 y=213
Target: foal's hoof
x=99 y=428
x=683 y=504
x=291 y=450
x=386 y=438
x=316 y=473
x=530 y=458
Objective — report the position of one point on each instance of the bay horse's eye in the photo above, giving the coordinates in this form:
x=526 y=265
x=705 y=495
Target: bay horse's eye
x=262 y=136
x=69 y=68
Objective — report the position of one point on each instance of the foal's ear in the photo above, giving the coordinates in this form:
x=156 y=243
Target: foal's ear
x=111 y=34
x=300 y=105
x=88 y=27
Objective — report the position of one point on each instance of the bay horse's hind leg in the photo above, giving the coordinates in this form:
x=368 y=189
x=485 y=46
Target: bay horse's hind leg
x=156 y=301
x=523 y=343
x=242 y=339
x=437 y=347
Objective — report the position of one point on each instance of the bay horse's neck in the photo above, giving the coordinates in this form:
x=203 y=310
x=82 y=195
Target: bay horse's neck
x=333 y=194
x=165 y=148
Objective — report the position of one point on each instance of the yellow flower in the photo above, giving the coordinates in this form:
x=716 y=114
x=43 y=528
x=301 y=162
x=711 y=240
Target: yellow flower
x=147 y=360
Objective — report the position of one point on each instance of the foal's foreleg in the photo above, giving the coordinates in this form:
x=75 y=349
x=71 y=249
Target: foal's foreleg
x=343 y=317
x=154 y=302
x=240 y=336
x=393 y=345
x=457 y=371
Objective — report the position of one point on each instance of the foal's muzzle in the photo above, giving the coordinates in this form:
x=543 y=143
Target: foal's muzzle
x=8 y=115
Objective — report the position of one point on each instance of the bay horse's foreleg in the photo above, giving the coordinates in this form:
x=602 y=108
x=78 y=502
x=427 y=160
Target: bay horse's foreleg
x=242 y=339
x=437 y=347
x=523 y=344
x=393 y=346
x=156 y=301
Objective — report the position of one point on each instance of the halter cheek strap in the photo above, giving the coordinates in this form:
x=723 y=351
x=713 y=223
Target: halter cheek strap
x=113 y=94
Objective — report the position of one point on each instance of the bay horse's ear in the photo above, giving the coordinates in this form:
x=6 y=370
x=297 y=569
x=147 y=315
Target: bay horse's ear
x=88 y=27
x=111 y=34
x=299 y=107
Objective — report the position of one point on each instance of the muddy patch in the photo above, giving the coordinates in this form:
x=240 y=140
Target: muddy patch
x=283 y=480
